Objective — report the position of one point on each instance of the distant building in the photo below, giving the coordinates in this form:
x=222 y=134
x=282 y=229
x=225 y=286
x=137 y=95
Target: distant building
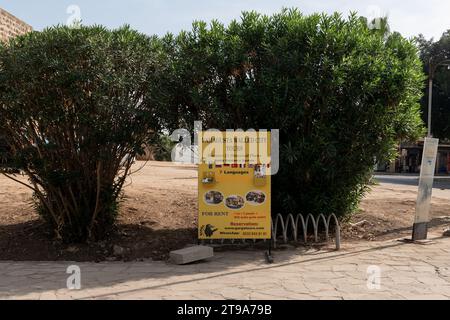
x=410 y=159
x=10 y=26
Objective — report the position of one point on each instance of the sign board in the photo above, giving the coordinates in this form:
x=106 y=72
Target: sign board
x=234 y=185
x=425 y=188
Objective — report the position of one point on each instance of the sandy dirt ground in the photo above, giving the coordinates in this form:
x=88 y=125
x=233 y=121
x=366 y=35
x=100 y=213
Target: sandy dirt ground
x=158 y=214
x=387 y=212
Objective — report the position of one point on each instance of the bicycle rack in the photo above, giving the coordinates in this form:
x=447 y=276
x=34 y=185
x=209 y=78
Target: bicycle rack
x=299 y=223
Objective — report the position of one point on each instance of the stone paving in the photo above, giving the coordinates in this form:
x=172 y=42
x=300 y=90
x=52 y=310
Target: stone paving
x=407 y=271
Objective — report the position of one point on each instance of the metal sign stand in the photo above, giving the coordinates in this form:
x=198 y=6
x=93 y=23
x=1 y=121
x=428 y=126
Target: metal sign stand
x=420 y=228
x=269 y=257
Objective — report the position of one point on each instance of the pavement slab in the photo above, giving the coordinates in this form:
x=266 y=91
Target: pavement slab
x=361 y=270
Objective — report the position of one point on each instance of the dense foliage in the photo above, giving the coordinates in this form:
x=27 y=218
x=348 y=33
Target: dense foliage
x=437 y=52
x=76 y=106
x=341 y=94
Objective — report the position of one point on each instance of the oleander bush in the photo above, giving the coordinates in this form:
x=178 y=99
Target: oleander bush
x=341 y=93
x=77 y=106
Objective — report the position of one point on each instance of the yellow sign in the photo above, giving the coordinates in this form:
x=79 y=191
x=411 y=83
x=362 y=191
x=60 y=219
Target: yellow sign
x=234 y=185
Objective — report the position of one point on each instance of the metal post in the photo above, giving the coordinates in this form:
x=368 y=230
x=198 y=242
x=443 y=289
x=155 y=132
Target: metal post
x=425 y=190
x=430 y=103
x=269 y=256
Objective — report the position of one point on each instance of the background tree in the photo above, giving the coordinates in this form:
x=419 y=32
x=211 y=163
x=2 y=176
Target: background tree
x=340 y=93
x=77 y=106
x=436 y=51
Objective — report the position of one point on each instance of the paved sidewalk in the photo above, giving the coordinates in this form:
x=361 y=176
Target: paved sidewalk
x=408 y=271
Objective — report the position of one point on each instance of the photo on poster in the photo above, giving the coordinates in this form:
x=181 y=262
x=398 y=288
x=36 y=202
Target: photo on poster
x=260 y=171
x=255 y=197
x=234 y=202
x=208 y=177
x=213 y=197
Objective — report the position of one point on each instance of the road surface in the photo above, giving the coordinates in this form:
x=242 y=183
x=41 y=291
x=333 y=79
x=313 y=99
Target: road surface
x=440 y=182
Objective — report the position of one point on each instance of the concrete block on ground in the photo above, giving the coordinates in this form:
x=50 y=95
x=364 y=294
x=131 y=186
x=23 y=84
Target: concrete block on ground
x=191 y=254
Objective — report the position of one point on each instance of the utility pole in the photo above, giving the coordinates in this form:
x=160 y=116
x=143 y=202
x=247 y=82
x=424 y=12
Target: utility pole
x=430 y=103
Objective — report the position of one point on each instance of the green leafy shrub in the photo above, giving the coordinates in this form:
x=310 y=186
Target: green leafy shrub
x=340 y=93
x=77 y=107
x=163 y=148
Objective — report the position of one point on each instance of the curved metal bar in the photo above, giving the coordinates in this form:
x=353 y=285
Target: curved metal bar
x=279 y=218
x=315 y=229
x=337 y=230
x=304 y=228
x=290 y=218
x=322 y=217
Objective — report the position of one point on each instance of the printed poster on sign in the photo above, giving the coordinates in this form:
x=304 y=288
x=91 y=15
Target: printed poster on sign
x=234 y=185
